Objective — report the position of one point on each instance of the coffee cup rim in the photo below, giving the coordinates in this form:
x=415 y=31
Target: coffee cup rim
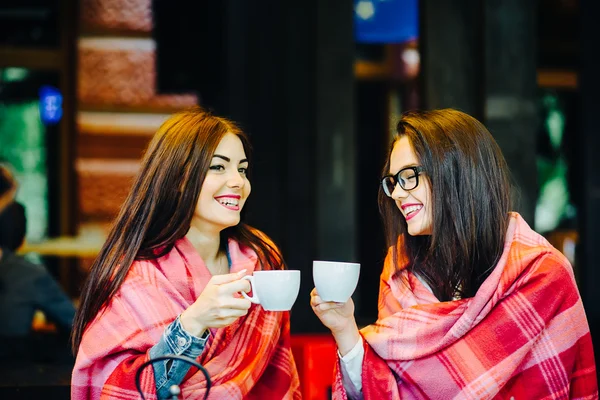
x=336 y=262
x=276 y=270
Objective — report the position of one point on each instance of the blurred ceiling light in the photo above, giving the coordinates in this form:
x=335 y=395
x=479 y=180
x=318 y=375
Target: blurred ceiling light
x=365 y=9
x=411 y=57
x=13 y=74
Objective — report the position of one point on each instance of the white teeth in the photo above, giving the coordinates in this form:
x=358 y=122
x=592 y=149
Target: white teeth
x=228 y=202
x=411 y=209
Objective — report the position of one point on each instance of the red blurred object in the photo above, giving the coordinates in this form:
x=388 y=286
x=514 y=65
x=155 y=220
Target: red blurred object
x=315 y=356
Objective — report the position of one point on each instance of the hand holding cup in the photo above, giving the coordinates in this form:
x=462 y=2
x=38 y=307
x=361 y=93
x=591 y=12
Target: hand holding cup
x=335 y=281
x=331 y=299
x=219 y=304
x=335 y=316
x=332 y=302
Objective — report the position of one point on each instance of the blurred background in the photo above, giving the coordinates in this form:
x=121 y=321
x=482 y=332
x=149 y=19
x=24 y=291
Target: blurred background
x=317 y=85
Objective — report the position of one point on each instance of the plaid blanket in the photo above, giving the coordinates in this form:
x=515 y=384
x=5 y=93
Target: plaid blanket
x=250 y=359
x=523 y=336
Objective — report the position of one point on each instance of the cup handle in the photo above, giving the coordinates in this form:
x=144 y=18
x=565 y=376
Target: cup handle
x=254 y=297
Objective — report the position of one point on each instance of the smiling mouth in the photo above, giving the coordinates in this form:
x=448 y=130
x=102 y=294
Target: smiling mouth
x=411 y=211
x=229 y=202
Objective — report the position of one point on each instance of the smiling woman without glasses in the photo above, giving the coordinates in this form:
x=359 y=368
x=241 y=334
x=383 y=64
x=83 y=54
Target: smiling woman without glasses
x=167 y=280
x=473 y=304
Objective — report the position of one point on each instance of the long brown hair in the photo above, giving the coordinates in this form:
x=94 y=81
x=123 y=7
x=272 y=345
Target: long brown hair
x=470 y=202
x=160 y=205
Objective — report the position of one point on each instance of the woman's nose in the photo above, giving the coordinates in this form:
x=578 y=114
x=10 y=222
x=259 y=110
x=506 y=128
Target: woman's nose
x=236 y=179
x=398 y=192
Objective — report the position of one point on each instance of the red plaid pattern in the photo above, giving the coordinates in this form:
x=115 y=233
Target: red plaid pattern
x=250 y=359
x=523 y=336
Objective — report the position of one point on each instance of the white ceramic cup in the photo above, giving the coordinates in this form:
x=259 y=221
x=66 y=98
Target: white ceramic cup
x=334 y=280
x=274 y=290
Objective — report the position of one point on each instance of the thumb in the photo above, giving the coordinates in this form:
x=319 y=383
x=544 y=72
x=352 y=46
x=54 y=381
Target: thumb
x=226 y=278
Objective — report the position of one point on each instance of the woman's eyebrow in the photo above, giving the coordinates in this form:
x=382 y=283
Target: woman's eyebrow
x=243 y=160
x=222 y=157
x=406 y=166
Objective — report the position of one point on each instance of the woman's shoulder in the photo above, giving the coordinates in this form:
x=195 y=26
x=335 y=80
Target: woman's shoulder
x=553 y=264
x=530 y=247
x=144 y=275
x=140 y=268
x=162 y=261
x=535 y=266
x=145 y=287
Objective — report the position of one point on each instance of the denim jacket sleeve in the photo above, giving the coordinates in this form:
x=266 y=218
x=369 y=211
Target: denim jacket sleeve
x=174 y=340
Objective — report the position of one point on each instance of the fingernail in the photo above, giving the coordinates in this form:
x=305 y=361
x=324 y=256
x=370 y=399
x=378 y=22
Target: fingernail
x=242 y=272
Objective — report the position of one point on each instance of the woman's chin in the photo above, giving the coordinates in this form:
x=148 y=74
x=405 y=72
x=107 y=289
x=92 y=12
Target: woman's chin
x=417 y=230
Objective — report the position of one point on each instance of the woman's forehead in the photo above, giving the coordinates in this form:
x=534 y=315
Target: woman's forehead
x=230 y=142
x=403 y=155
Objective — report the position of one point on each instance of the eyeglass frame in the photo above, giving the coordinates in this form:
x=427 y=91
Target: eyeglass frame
x=416 y=169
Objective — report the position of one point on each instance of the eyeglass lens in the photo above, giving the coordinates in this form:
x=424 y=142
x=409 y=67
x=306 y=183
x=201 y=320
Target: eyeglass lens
x=407 y=178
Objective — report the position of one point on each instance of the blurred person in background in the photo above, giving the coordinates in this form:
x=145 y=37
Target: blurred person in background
x=473 y=304
x=8 y=187
x=26 y=287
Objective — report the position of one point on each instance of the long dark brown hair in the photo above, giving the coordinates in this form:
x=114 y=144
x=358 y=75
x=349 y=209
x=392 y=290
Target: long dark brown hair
x=160 y=205
x=470 y=202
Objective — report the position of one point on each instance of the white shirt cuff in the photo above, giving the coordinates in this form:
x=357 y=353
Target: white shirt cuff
x=351 y=368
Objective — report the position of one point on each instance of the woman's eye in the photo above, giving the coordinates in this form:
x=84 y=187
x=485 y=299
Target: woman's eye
x=217 y=167
x=243 y=171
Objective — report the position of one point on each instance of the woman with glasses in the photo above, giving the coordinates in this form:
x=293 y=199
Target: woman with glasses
x=473 y=303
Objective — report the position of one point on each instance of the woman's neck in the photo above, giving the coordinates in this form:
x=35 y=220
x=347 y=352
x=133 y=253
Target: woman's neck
x=209 y=249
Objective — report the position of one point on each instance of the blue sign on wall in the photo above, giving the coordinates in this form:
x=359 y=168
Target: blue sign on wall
x=386 y=21
x=50 y=105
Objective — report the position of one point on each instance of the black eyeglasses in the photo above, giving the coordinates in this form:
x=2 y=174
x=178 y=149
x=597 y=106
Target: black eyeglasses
x=408 y=178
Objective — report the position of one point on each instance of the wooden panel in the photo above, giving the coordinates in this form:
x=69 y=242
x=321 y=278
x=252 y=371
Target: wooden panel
x=116 y=16
x=121 y=72
x=115 y=135
x=112 y=123
x=111 y=146
x=103 y=186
